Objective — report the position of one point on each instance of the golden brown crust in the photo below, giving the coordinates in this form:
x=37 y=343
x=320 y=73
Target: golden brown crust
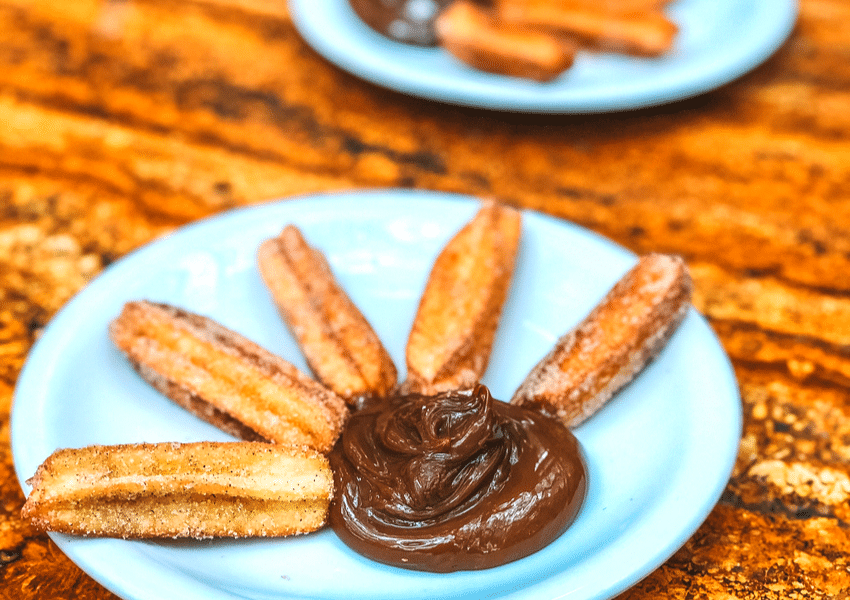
x=478 y=39
x=641 y=29
x=338 y=342
x=198 y=490
x=538 y=39
x=613 y=343
x=453 y=331
x=225 y=378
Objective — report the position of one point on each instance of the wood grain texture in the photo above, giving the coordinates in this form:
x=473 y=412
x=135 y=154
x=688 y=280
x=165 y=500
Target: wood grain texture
x=122 y=120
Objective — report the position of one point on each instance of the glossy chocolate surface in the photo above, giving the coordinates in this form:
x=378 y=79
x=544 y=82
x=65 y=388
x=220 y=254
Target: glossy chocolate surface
x=409 y=21
x=458 y=481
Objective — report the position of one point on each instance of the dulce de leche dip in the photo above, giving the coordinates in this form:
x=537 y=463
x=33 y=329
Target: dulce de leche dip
x=457 y=481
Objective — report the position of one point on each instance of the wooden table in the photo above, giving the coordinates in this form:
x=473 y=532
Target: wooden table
x=122 y=120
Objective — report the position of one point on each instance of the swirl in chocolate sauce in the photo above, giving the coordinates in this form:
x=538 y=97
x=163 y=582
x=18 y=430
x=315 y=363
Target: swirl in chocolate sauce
x=408 y=21
x=457 y=481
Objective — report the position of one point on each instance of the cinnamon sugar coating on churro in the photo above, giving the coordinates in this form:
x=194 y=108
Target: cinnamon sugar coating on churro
x=532 y=39
x=197 y=490
x=635 y=27
x=340 y=346
x=613 y=343
x=476 y=37
x=225 y=378
x=453 y=331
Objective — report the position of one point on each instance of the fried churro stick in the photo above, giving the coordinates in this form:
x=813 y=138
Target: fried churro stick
x=340 y=345
x=613 y=343
x=452 y=334
x=622 y=7
x=646 y=33
x=198 y=490
x=475 y=38
x=225 y=378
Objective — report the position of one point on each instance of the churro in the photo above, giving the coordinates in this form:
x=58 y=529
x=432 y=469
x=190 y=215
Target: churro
x=197 y=490
x=623 y=7
x=631 y=324
x=532 y=39
x=474 y=37
x=452 y=335
x=340 y=346
x=602 y=27
x=225 y=378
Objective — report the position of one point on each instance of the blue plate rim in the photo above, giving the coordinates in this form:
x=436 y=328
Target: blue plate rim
x=333 y=30
x=137 y=585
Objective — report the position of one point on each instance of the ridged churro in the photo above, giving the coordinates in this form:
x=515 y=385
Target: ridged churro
x=452 y=335
x=197 y=490
x=476 y=38
x=340 y=346
x=622 y=7
x=533 y=39
x=600 y=26
x=631 y=324
x=225 y=378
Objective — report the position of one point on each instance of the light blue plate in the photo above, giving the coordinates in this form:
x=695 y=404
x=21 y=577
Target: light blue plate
x=718 y=41
x=659 y=454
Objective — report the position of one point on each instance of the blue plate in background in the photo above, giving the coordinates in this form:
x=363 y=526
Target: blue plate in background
x=718 y=41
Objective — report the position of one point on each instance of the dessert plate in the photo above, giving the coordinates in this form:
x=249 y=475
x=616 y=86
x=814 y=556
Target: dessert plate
x=718 y=41
x=658 y=455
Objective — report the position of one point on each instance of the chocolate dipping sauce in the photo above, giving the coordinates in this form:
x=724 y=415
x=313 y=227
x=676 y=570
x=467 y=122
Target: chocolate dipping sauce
x=408 y=21
x=457 y=481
